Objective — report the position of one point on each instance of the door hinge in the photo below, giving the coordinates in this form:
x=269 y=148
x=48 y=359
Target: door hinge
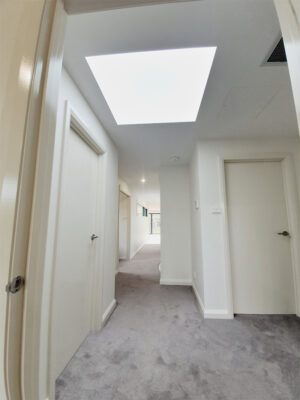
x=16 y=284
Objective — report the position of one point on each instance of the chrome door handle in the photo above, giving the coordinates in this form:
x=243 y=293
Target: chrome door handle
x=93 y=237
x=284 y=233
x=16 y=284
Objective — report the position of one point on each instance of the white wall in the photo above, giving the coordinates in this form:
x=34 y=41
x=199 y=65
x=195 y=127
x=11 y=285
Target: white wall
x=208 y=238
x=109 y=214
x=196 y=238
x=175 y=225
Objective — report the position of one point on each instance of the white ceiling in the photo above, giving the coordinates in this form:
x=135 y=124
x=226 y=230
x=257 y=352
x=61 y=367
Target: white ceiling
x=243 y=99
x=81 y=6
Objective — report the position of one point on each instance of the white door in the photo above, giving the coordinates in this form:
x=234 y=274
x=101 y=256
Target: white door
x=262 y=277
x=75 y=251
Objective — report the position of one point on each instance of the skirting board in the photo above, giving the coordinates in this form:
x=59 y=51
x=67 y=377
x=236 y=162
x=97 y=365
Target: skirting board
x=210 y=314
x=107 y=313
x=179 y=282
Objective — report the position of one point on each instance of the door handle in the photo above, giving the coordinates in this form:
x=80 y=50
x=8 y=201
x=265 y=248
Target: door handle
x=284 y=233
x=16 y=284
x=93 y=237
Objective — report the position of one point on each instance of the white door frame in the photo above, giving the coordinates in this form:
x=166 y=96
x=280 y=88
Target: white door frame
x=293 y=215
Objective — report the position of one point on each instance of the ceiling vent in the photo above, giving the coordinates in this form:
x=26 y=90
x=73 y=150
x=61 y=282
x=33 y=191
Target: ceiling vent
x=278 y=54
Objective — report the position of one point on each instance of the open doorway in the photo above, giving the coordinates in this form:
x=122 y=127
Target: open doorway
x=155 y=224
x=154 y=237
x=124 y=226
x=139 y=237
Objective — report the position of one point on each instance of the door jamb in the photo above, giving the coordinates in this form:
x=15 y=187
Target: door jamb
x=293 y=215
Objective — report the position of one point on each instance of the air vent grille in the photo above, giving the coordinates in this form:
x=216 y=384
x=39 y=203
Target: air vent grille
x=278 y=54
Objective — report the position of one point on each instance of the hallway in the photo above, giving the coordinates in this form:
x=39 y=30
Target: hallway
x=156 y=346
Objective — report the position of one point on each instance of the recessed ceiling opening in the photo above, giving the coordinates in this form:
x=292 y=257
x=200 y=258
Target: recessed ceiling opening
x=164 y=86
x=278 y=55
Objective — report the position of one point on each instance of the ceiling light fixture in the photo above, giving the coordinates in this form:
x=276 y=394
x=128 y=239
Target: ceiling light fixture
x=143 y=180
x=163 y=86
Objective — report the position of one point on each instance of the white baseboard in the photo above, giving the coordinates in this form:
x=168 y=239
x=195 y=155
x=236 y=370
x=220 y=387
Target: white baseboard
x=107 y=313
x=179 y=282
x=199 y=300
x=210 y=313
x=217 y=314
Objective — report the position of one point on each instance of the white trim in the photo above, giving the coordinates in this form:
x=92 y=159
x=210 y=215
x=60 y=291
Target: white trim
x=217 y=314
x=81 y=129
x=293 y=212
x=210 y=314
x=179 y=282
x=108 y=312
x=198 y=298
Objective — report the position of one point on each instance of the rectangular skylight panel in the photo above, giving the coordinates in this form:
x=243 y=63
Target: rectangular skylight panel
x=151 y=87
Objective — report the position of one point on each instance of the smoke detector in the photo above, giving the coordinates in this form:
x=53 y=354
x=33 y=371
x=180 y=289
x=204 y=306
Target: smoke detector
x=174 y=159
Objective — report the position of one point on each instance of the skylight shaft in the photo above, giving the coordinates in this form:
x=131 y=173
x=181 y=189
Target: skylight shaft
x=164 y=86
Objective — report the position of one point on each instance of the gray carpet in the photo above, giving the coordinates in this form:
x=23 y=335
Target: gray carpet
x=156 y=346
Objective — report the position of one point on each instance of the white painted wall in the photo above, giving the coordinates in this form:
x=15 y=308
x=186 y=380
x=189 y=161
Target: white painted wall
x=109 y=214
x=208 y=239
x=175 y=225
x=196 y=237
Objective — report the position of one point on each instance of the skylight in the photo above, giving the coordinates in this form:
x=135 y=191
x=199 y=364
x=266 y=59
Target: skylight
x=151 y=87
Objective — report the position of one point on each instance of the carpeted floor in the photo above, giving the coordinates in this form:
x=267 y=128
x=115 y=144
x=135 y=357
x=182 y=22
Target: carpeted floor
x=156 y=346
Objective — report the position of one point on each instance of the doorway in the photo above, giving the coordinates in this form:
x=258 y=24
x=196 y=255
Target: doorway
x=259 y=235
x=124 y=226
x=155 y=224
